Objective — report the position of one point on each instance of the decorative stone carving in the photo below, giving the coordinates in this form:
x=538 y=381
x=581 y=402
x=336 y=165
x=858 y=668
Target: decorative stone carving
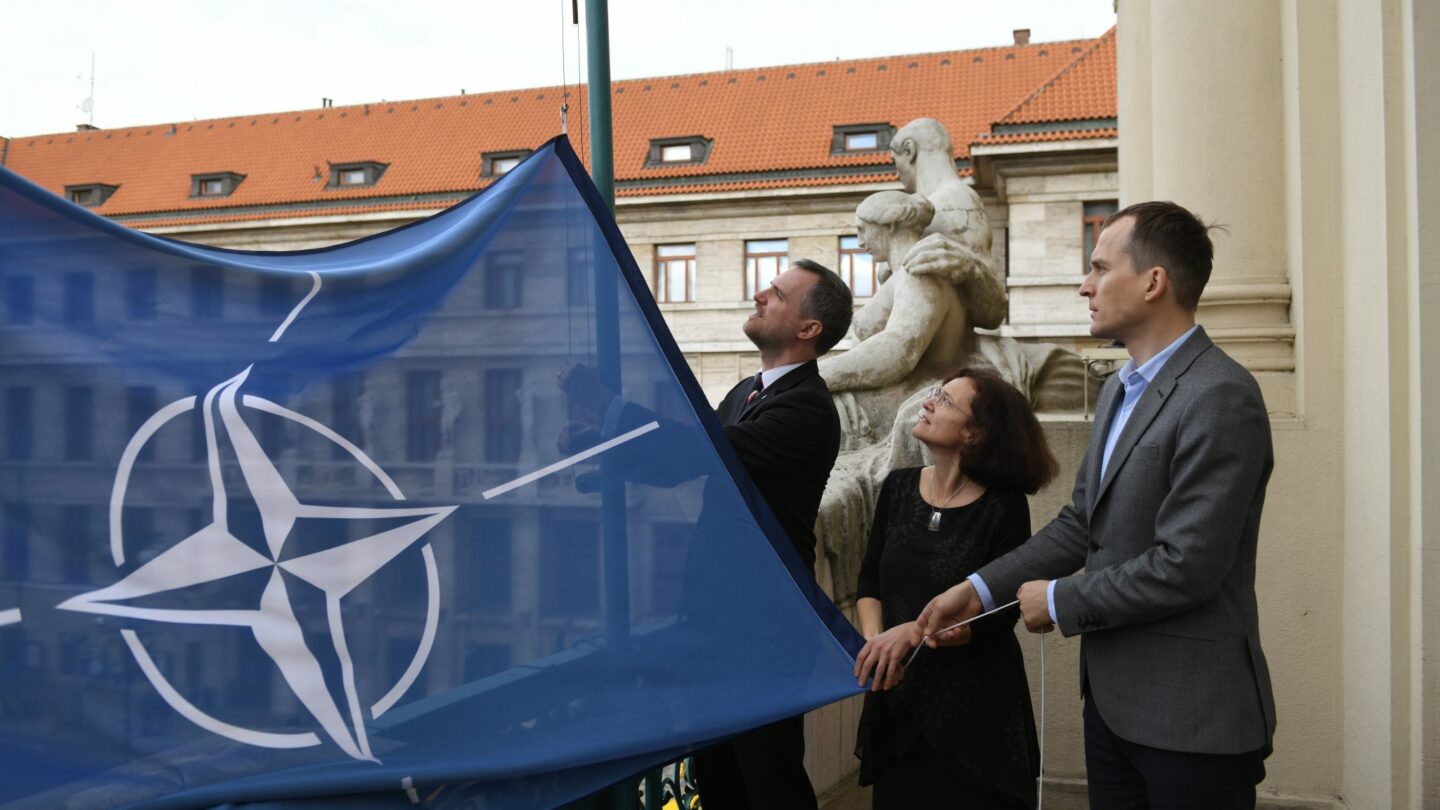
x=938 y=285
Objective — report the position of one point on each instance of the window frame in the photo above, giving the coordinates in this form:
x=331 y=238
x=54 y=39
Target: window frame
x=846 y=269
x=228 y=181
x=699 y=151
x=1090 y=225
x=372 y=172
x=752 y=270
x=663 y=294
x=841 y=133
x=101 y=192
x=489 y=159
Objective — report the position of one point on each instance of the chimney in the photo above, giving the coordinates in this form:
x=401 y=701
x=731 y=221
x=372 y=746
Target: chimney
x=1022 y=36
x=86 y=128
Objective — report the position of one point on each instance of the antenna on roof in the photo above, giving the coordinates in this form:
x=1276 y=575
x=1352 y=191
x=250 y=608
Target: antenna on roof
x=729 y=58
x=88 y=105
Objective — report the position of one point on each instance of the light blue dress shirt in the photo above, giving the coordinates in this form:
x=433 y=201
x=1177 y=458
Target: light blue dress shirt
x=1135 y=380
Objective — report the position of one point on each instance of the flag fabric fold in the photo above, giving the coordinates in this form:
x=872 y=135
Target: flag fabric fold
x=298 y=529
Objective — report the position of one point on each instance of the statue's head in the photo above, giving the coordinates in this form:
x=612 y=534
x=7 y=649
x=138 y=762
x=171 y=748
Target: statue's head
x=921 y=136
x=887 y=217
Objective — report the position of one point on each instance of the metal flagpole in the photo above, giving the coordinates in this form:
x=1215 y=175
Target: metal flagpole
x=607 y=339
x=607 y=327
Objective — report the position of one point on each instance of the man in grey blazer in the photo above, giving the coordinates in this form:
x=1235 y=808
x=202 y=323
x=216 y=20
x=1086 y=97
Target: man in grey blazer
x=1165 y=517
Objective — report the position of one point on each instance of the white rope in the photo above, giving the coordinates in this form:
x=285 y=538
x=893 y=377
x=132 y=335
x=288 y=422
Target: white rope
x=1040 y=780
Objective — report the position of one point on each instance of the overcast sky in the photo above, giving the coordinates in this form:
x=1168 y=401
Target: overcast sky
x=161 y=61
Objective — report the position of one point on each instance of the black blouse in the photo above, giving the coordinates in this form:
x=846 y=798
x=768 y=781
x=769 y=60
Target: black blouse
x=971 y=702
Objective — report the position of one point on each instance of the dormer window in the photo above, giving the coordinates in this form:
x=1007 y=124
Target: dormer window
x=496 y=164
x=859 y=139
x=214 y=185
x=679 y=151
x=89 y=195
x=355 y=175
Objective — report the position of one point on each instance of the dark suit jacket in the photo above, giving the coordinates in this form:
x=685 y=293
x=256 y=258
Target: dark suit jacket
x=787 y=439
x=1171 y=634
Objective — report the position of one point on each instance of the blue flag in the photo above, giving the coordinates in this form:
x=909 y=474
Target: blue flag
x=321 y=527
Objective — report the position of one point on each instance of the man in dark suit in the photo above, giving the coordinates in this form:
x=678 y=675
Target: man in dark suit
x=1165 y=519
x=784 y=427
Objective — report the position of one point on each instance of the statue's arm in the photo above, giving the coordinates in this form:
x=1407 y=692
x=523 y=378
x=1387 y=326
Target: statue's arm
x=981 y=287
x=872 y=317
x=890 y=355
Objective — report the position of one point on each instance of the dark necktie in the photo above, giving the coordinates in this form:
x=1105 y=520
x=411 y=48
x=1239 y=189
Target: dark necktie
x=755 y=390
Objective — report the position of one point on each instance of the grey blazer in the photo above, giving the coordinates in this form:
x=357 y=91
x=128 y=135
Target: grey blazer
x=1170 y=651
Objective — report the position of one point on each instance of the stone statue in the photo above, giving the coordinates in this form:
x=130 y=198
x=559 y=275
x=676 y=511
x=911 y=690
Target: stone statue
x=958 y=240
x=938 y=286
x=915 y=323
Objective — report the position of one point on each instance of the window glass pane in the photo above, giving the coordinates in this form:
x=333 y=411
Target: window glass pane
x=484 y=550
x=569 y=565
x=502 y=415
x=675 y=277
x=499 y=166
x=675 y=153
x=212 y=188
x=207 y=291
x=849 y=243
x=352 y=177
x=578 y=264
x=79 y=305
x=502 y=280
x=423 y=406
x=19 y=404
x=861 y=140
x=768 y=268
x=140 y=294
x=675 y=250
x=1103 y=208
x=20 y=299
x=78 y=403
x=767 y=246
x=140 y=405
x=863 y=275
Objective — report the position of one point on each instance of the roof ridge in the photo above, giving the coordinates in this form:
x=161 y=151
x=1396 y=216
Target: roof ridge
x=567 y=87
x=1095 y=45
x=852 y=60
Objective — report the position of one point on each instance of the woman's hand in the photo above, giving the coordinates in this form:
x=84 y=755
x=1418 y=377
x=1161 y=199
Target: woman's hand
x=883 y=657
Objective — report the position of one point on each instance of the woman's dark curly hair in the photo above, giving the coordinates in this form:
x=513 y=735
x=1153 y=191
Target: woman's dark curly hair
x=1010 y=451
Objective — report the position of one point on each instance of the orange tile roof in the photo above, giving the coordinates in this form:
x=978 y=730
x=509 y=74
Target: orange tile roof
x=1047 y=136
x=774 y=121
x=1085 y=89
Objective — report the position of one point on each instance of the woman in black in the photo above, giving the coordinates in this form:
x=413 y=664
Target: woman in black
x=958 y=729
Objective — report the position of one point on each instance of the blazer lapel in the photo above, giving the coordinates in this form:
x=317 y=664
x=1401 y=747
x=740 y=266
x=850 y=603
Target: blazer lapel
x=793 y=378
x=1157 y=393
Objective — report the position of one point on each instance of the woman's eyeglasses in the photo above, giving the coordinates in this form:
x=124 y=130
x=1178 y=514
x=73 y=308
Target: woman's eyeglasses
x=943 y=400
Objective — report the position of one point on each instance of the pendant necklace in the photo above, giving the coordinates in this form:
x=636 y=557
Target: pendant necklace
x=934 y=524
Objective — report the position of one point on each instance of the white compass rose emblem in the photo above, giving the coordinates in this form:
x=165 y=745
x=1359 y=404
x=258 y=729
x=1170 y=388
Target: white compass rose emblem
x=214 y=554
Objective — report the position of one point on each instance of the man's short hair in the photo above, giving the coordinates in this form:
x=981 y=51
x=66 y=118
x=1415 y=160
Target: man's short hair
x=828 y=302
x=1167 y=235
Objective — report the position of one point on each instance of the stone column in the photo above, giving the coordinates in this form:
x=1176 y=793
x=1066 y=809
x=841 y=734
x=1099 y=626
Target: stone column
x=1202 y=124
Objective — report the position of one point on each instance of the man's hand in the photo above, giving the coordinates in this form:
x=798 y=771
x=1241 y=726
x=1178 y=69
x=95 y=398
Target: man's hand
x=884 y=657
x=577 y=436
x=582 y=384
x=955 y=605
x=1034 y=599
